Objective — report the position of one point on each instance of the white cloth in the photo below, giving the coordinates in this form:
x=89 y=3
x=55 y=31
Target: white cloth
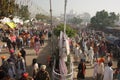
x=67 y=47
x=77 y=52
x=100 y=69
x=95 y=69
x=91 y=55
x=0 y=48
x=36 y=67
x=108 y=73
x=63 y=67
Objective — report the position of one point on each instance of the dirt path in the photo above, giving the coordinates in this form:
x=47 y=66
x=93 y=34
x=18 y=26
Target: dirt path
x=45 y=51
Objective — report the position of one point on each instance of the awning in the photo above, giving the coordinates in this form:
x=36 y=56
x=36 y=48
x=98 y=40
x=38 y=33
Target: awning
x=11 y=25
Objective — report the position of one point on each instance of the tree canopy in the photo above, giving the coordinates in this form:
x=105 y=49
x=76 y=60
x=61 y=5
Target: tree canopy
x=69 y=31
x=9 y=7
x=104 y=19
x=24 y=12
x=42 y=17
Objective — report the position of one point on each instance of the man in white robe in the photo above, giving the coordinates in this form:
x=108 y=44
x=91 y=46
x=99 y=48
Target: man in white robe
x=76 y=53
x=108 y=72
x=91 y=55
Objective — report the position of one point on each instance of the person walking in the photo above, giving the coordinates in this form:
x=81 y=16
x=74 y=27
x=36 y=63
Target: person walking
x=108 y=73
x=81 y=70
x=95 y=67
x=76 y=53
x=35 y=68
x=100 y=70
x=91 y=55
x=37 y=45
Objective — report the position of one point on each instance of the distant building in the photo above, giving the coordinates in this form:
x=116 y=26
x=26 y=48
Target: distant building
x=85 y=18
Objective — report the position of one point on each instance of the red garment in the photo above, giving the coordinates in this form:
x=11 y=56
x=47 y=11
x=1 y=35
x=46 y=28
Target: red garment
x=13 y=38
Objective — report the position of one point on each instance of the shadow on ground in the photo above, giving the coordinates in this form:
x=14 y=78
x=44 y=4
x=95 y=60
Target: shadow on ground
x=42 y=57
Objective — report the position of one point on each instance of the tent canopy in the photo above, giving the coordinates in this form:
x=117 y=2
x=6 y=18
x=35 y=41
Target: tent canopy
x=11 y=25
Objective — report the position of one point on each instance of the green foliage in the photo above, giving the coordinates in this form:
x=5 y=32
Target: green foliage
x=7 y=7
x=75 y=20
x=24 y=12
x=104 y=19
x=69 y=31
x=42 y=17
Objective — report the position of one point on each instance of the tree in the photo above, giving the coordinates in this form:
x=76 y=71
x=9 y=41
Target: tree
x=24 y=12
x=103 y=19
x=7 y=7
x=42 y=17
x=69 y=31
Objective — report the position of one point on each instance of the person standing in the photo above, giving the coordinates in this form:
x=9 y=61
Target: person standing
x=95 y=69
x=37 y=45
x=13 y=40
x=108 y=73
x=1 y=45
x=76 y=53
x=4 y=65
x=23 y=53
x=9 y=43
x=42 y=74
x=18 y=42
x=11 y=69
x=20 y=65
x=35 y=68
x=91 y=55
x=81 y=70
x=100 y=70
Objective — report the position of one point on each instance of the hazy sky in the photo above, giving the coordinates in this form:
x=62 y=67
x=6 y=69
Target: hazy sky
x=80 y=6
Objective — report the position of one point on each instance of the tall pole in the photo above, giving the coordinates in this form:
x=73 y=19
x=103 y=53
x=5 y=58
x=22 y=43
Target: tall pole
x=51 y=27
x=65 y=16
x=51 y=13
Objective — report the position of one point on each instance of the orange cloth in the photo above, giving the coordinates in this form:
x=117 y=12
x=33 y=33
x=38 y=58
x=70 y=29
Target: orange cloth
x=3 y=57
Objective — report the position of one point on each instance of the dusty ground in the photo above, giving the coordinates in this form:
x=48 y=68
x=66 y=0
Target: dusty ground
x=42 y=58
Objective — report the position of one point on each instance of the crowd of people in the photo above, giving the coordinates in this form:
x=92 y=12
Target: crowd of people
x=93 y=48
x=14 y=67
x=88 y=47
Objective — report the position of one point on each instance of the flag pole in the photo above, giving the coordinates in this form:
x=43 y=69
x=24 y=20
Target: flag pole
x=65 y=16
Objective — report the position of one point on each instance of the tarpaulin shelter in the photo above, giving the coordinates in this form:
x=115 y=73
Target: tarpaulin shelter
x=11 y=25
